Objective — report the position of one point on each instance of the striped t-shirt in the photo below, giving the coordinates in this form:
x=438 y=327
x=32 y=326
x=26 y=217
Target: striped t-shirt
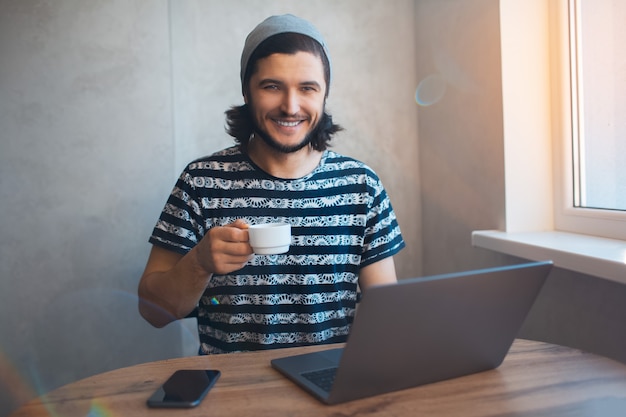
x=341 y=220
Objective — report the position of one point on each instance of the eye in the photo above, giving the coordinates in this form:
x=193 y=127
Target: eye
x=310 y=87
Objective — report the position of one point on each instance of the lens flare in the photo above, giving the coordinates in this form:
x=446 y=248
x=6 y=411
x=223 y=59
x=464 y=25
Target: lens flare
x=13 y=383
x=430 y=90
x=99 y=409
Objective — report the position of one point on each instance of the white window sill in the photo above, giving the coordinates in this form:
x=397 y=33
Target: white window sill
x=604 y=258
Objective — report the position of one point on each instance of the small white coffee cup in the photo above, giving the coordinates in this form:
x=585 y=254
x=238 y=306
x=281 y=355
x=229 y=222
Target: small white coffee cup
x=270 y=238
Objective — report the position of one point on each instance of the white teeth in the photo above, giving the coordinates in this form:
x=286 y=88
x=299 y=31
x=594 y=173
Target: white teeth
x=287 y=124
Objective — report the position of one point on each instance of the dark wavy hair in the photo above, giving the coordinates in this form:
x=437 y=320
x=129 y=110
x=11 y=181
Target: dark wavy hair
x=239 y=120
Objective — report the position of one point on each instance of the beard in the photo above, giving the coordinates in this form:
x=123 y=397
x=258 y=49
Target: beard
x=279 y=147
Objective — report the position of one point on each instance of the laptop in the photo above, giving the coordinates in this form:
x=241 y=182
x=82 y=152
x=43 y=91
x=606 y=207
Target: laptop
x=422 y=330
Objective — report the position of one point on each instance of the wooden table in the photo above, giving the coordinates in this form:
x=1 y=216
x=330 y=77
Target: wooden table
x=536 y=379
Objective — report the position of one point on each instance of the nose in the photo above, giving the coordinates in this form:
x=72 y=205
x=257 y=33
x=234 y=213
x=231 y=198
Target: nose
x=291 y=102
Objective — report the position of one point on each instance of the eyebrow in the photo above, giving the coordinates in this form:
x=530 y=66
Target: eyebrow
x=304 y=83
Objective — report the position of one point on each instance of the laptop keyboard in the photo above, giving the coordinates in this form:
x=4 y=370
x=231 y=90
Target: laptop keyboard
x=323 y=378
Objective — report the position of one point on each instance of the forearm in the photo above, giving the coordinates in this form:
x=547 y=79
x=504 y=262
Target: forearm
x=172 y=283
x=166 y=295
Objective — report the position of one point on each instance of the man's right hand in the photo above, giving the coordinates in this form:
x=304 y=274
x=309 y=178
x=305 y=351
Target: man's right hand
x=224 y=249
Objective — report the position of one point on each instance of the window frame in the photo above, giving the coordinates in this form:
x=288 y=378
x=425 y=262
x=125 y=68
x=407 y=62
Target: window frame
x=568 y=217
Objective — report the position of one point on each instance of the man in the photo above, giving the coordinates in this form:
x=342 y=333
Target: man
x=344 y=230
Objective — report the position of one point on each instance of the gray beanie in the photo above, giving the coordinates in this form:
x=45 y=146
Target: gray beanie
x=274 y=25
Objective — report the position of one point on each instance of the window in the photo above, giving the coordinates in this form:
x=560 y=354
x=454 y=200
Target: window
x=539 y=91
x=593 y=107
x=597 y=38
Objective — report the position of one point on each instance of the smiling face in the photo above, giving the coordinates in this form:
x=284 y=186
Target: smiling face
x=286 y=98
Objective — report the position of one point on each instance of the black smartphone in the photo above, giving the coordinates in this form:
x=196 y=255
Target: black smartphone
x=185 y=388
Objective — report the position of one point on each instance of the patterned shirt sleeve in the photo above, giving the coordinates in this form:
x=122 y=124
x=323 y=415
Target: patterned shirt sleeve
x=383 y=237
x=180 y=226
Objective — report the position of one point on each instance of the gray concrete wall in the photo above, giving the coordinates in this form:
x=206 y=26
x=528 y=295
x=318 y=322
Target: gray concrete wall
x=461 y=134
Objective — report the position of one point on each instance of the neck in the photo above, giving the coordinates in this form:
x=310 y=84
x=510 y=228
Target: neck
x=283 y=165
